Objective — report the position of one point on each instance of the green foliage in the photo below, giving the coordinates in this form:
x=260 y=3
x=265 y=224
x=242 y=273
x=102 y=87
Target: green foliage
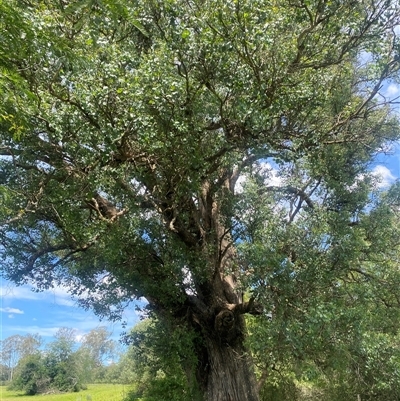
x=61 y=367
x=4 y=374
x=125 y=87
x=371 y=370
x=341 y=341
x=38 y=373
x=31 y=375
x=281 y=389
x=157 y=354
x=126 y=129
x=96 y=348
x=16 y=347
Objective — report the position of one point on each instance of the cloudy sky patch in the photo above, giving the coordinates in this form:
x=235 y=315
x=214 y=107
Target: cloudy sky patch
x=384 y=176
x=57 y=295
x=12 y=310
x=46 y=312
x=392 y=90
x=271 y=177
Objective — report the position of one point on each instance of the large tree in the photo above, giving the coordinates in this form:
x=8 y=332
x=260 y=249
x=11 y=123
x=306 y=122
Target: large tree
x=96 y=348
x=188 y=152
x=17 y=347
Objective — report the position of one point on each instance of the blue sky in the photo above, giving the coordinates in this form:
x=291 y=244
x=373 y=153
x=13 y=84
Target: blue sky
x=24 y=311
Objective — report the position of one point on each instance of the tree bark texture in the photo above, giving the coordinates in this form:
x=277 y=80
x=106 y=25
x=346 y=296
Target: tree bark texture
x=230 y=376
x=225 y=370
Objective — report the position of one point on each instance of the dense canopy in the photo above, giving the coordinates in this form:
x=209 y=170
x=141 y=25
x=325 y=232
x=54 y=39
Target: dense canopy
x=213 y=157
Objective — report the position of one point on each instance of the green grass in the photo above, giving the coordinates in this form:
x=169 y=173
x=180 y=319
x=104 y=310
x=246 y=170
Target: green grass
x=95 y=392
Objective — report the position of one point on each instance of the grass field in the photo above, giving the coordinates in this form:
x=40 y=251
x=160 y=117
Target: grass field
x=95 y=392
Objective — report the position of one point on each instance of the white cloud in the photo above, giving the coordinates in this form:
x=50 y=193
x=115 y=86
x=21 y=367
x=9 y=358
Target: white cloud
x=392 y=90
x=271 y=177
x=79 y=338
x=51 y=329
x=60 y=296
x=12 y=292
x=45 y=313
x=42 y=331
x=12 y=310
x=384 y=176
x=57 y=295
x=239 y=184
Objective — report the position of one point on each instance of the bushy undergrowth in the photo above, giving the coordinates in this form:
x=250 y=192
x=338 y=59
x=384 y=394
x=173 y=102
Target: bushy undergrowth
x=37 y=374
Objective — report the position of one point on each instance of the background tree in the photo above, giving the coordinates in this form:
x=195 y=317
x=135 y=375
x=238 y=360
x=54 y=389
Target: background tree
x=96 y=350
x=16 y=347
x=31 y=375
x=61 y=366
x=62 y=363
x=10 y=353
x=144 y=163
x=4 y=373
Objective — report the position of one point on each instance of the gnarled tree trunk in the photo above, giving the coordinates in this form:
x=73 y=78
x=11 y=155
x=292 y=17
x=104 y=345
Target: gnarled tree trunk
x=225 y=370
x=230 y=375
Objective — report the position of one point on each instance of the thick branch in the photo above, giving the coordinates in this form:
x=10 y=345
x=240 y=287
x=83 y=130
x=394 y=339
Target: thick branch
x=251 y=307
x=30 y=265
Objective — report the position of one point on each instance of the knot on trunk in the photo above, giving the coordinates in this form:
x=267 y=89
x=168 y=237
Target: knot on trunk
x=225 y=326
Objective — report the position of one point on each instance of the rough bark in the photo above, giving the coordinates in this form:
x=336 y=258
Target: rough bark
x=225 y=369
x=230 y=375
